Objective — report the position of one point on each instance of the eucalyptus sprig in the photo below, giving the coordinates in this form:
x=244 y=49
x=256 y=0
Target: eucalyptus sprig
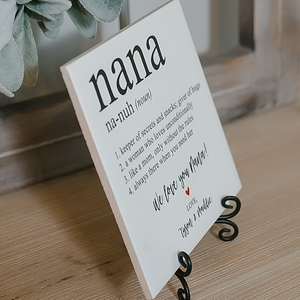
x=18 y=51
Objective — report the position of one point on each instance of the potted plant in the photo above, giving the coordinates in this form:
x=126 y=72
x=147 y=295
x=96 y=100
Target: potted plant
x=18 y=50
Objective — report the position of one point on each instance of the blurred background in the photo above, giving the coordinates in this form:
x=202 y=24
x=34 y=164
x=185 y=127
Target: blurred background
x=249 y=50
x=213 y=25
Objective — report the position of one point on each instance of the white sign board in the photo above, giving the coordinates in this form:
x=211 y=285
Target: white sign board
x=151 y=126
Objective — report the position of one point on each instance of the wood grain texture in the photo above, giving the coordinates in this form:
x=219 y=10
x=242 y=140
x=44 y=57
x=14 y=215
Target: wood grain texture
x=246 y=23
x=268 y=39
x=59 y=239
x=238 y=103
x=229 y=70
x=37 y=121
x=40 y=139
x=290 y=52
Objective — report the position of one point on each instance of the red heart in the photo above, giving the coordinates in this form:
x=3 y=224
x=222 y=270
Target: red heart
x=187 y=191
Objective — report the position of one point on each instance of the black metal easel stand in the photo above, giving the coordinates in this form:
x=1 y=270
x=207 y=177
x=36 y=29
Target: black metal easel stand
x=185 y=260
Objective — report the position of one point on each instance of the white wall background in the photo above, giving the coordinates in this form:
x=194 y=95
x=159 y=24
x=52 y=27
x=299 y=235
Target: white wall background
x=213 y=25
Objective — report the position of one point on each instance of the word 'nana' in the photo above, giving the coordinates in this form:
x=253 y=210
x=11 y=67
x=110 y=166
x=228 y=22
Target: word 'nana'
x=123 y=81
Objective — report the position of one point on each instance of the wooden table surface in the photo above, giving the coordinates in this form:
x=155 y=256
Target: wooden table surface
x=59 y=239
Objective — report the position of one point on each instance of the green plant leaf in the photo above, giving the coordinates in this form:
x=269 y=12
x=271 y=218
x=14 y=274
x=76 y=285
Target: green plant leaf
x=6 y=91
x=8 y=9
x=46 y=8
x=23 y=36
x=33 y=15
x=23 y=1
x=51 y=28
x=103 y=10
x=12 y=68
x=53 y=25
x=83 y=20
x=52 y=34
